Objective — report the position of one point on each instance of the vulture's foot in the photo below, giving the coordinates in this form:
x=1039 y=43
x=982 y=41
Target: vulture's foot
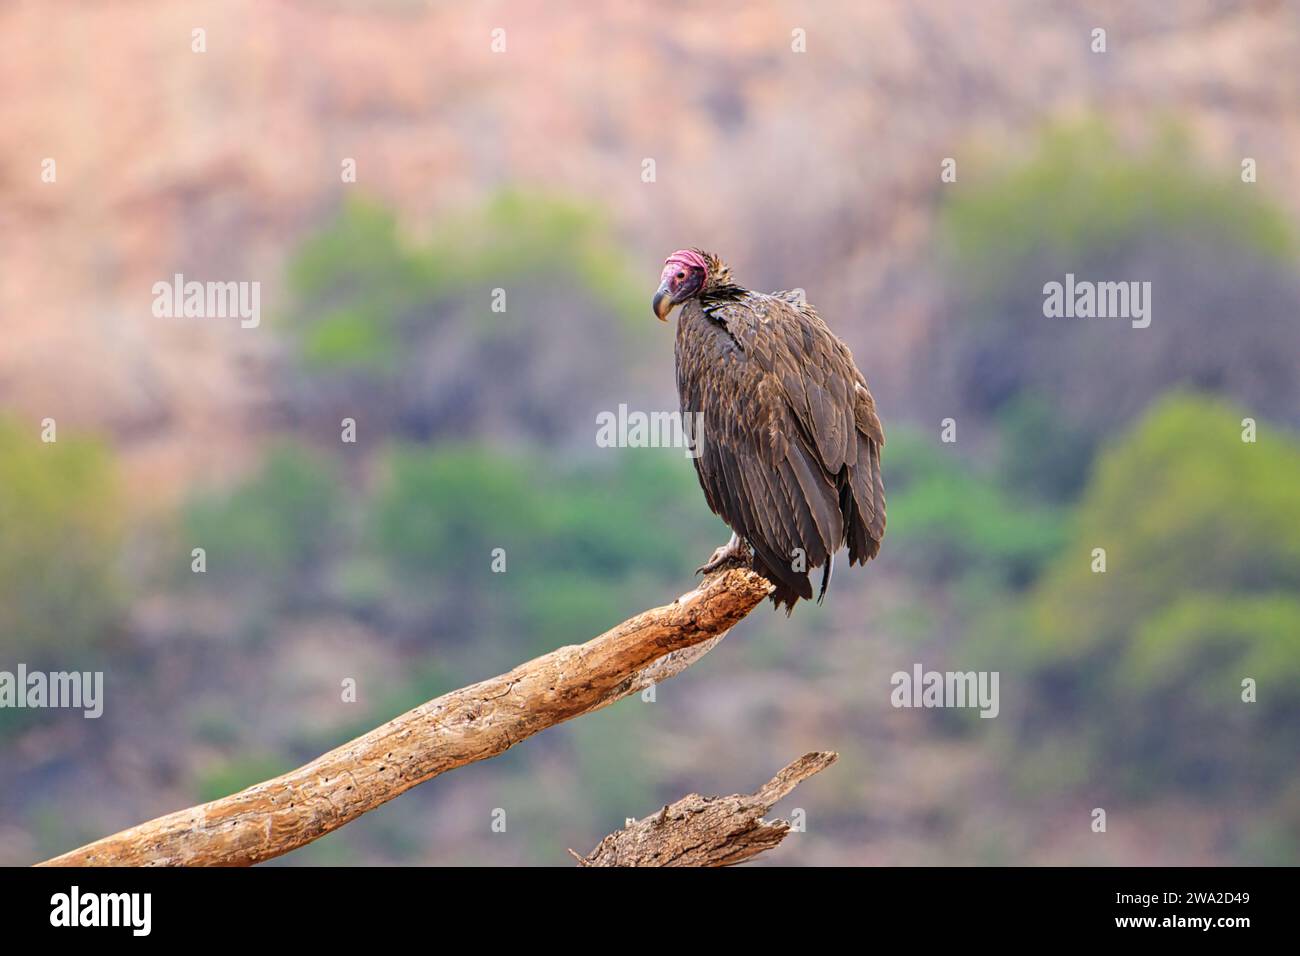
x=734 y=551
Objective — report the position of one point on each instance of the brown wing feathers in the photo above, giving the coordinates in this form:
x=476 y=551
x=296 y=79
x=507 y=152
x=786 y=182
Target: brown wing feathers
x=790 y=452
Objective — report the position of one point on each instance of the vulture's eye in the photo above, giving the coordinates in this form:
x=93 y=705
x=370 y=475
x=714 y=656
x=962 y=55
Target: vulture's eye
x=681 y=275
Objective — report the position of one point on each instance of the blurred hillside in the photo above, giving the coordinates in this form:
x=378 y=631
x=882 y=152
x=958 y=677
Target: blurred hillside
x=815 y=170
x=522 y=171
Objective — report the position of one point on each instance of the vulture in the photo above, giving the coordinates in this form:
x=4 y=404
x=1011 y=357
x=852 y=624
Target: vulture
x=783 y=429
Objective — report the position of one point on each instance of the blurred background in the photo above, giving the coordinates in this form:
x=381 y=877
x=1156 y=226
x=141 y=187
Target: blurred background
x=523 y=170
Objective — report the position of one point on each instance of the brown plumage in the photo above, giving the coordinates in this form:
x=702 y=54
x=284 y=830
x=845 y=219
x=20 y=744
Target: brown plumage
x=789 y=454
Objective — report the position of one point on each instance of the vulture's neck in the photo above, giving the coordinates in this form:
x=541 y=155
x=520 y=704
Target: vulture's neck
x=723 y=292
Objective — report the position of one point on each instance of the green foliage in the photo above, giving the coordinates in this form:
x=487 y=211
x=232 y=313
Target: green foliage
x=523 y=234
x=1183 y=506
x=1203 y=646
x=275 y=526
x=605 y=520
x=945 y=520
x=351 y=283
x=1082 y=190
x=1085 y=202
x=235 y=775
x=1202 y=534
x=1042 y=453
x=60 y=539
x=562 y=606
x=578 y=541
x=361 y=290
x=436 y=507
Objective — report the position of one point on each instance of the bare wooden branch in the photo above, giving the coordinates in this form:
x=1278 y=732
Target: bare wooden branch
x=464 y=726
x=707 y=831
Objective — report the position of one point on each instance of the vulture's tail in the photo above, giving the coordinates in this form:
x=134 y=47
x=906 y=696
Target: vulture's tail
x=788 y=585
x=826 y=576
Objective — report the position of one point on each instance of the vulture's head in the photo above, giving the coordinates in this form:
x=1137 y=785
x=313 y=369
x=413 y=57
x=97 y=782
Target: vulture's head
x=687 y=274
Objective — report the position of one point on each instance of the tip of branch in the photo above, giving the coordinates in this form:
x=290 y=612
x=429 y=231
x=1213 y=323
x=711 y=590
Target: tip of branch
x=740 y=580
x=794 y=774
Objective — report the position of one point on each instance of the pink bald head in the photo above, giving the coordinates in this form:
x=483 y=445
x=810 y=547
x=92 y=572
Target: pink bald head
x=684 y=274
x=686 y=258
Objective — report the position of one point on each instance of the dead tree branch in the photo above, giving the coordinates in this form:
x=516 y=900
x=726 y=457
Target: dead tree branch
x=464 y=726
x=707 y=831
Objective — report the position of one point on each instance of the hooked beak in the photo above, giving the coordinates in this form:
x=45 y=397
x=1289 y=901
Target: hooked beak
x=663 y=301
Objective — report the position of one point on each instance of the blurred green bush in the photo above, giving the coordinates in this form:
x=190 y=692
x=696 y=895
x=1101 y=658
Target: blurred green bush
x=1219 y=255
x=947 y=521
x=276 y=528
x=511 y=320
x=578 y=541
x=359 y=286
x=61 y=532
x=231 y=776
x=1041 y=453
x=1083 y=190
x=1142 y=666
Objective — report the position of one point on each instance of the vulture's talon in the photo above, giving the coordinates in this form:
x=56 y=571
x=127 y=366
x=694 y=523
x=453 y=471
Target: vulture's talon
x=710 y=565
x=734 y=550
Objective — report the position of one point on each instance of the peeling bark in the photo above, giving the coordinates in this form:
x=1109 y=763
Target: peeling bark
x=708 y=831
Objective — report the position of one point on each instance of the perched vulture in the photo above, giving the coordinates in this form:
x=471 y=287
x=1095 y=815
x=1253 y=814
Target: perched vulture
x=788 y=452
